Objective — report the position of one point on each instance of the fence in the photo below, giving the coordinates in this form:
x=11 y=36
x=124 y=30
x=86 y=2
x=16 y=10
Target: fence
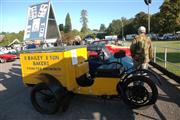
x=166 y=56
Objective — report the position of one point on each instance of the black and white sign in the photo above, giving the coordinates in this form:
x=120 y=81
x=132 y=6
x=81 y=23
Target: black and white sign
x=41 y=23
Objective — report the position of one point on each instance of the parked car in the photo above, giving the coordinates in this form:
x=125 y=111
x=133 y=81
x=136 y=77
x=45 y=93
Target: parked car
x=167 y=36
x=115 y=48
x=89 y=40
x=100 y=42
x=161 y=37
x=31 y=46
x=153 y=36
x=17 y=53
x=6 y=57
x=130 y=36
x=112 y=48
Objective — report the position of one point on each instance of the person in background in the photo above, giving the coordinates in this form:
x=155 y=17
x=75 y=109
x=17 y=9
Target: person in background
x=141 y=49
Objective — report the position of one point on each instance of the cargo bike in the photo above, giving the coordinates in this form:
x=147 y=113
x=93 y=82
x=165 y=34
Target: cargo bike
x=57 y=74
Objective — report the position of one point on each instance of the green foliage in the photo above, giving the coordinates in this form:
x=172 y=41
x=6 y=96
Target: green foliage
x=165 y=21
x=85 y=34
x=101 y=35
x=170 y=16
x=114 y=27
x=91 y=36
x=155 y=26
x=84 y=30
x=102 y=28
x=61 y=27
x=2 y=33
x=129 y=27
x=9 y=37
x=68 y=26
x=84 y=21
x=76 y=32
x=141 y=19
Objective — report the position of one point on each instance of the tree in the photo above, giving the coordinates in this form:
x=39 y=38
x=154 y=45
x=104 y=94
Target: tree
x=155 y=25
x=114 y=28
x=9 y=37
x=68 y=26
x=67 y=37
x=20 y=35
x=170 y=15
x=84 y=21
x=129 y=27
x=75 y=32
x=102 y=28
x=61 y=27
x=101 y=35
x=176 y=12
x=141 y=19
x=2 y=33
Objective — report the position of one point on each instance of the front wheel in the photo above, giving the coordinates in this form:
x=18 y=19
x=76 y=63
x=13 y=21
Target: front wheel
x=44 y=100
x=139 y=91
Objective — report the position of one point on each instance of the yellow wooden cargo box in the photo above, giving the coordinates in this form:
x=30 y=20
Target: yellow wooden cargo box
x=58 y=62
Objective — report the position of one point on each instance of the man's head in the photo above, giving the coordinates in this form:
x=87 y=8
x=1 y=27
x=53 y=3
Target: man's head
x=141 y=30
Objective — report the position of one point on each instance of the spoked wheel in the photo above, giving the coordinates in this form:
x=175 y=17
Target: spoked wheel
x=147 y=73
x=44 y=100
x=139 y=91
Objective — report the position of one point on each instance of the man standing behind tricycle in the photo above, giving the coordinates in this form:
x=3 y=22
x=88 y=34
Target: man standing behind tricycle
x=141 y=49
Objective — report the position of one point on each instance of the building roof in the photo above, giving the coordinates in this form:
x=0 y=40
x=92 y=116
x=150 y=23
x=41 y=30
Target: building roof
x=14 y=41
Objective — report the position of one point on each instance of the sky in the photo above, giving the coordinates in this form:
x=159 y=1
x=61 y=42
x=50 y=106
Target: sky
x=13 y=13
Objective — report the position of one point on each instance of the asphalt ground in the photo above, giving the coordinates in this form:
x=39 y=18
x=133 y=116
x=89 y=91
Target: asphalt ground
x=15 y=102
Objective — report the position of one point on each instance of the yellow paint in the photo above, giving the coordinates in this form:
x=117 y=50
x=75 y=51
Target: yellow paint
x=59 y=65
x=101 y=86
x=81 y=69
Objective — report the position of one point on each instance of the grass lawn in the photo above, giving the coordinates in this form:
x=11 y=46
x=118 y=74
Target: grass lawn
x=172 y=54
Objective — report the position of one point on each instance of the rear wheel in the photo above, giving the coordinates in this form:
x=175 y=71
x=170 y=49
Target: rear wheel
x=44 y=100
x=139 y=91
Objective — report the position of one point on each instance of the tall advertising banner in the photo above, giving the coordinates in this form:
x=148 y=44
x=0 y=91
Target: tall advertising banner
x=41 y=23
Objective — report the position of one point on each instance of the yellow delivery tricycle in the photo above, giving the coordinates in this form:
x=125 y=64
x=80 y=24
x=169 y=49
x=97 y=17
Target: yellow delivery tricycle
x=57 y=74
